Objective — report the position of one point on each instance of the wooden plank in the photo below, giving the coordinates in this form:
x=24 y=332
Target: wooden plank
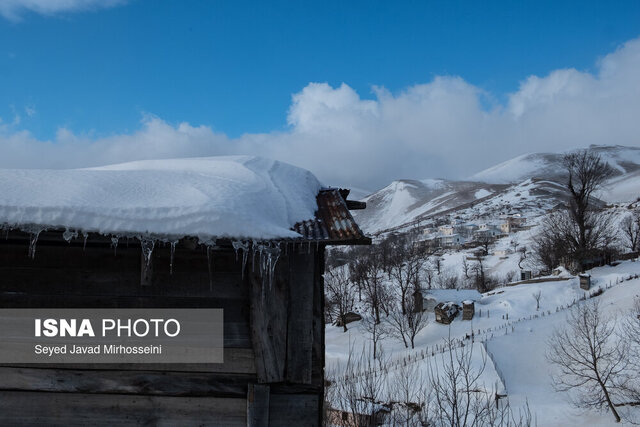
x=287 y=410
x=300 y=317
x=236 y=361
x=71 y=269
x=318 y=355
x=257 y=405
x=75 y=409
x=268 y=319
x=143 y=382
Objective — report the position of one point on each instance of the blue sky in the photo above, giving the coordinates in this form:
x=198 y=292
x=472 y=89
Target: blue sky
x=234 y=65
x=73 y=70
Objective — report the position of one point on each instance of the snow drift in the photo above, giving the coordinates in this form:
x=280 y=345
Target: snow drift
x=238 y=196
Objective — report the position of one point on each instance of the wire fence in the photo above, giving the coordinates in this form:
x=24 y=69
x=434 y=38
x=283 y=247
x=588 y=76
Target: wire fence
x=481 y=335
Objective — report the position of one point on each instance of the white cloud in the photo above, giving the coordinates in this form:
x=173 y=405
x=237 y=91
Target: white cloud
x=14 y=9
x=438 y=129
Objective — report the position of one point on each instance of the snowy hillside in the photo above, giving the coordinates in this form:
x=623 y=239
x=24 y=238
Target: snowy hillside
x=624 y=160
x=529 y=184
x=515 y=334
x=406 y=200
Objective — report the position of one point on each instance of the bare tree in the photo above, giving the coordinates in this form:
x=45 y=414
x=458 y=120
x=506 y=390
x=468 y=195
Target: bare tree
x=587 y=172
x=340 y=293
x=537 y=296
x=377 y=332
x=522 y=251
x=480 y=277
x=407 y=326
x=631 y=334
x=437 y=263
x=457 y=396
x=406 y=265
x=407 y=387
x=631 y=231
x=368 y=272
x=558 y=241
x=428 y=275
x=485 y=241
x=465 y=267
x=357 y=391
x=591 y=362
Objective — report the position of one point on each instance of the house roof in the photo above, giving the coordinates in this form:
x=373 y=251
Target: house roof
x=333 y=222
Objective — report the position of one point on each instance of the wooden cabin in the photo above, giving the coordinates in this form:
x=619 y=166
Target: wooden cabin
x=274 y=353
x=446 y=312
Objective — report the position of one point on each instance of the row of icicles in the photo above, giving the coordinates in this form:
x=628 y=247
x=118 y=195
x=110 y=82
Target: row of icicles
x=267 y=252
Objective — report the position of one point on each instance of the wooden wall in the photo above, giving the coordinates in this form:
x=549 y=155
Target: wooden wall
x=274 y=338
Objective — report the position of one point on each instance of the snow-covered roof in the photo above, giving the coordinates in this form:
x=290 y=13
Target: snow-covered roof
x=239 y=196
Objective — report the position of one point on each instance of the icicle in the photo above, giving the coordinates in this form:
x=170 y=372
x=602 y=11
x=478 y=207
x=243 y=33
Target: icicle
x=245 y=253
x=210 y=268
x=68 y=235
x=254 y=246
x=114 y=245
x=85 y=236
x=172 y=252
x=147 y=246
x=32 y=243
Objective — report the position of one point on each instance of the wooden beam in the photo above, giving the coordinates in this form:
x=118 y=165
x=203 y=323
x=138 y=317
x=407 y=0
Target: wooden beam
x=268 y=321
x=300 y=318
x=67 y=409
x=257 y=405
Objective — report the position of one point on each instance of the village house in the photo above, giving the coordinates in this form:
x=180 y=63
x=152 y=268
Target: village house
x=451 y=240
x=271 y=290
x=486 y=230
x=512 y=223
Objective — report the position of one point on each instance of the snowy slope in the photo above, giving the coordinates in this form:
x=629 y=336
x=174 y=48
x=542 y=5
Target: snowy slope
x=516 y=336
x=624 y=160
x=530 y=183
x=405 y=200
x=625 y=188
x=247 y=197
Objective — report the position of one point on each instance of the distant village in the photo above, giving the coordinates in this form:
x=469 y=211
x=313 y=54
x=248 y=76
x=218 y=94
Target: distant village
x=464 y=235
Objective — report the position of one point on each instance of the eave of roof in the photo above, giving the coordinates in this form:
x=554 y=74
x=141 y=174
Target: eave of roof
x=333 y=223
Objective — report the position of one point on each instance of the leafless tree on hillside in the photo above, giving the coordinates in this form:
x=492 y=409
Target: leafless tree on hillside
x=537 y=296
x=465 y=267
x=340 y=293
x=631 y=334
x=590 y=360
x=587 y=172
x=358 y=390
x=631 y=231
x=457 y=397
x=406 y=326
x=377 y=331
x=406 y=266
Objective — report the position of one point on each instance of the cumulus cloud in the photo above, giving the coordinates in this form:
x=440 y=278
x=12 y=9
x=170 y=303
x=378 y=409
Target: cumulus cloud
x=14 y=9
x=445 y=128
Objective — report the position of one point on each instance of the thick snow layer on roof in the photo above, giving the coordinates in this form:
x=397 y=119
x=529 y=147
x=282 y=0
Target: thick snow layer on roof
x=240 y=197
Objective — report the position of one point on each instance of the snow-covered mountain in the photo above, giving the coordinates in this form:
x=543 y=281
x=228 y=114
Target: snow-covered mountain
x=531 y=184
x=624 y=160
x=404 y=201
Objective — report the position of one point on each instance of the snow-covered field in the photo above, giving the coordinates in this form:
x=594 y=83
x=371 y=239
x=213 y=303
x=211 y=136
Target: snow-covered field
x=515 y=334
